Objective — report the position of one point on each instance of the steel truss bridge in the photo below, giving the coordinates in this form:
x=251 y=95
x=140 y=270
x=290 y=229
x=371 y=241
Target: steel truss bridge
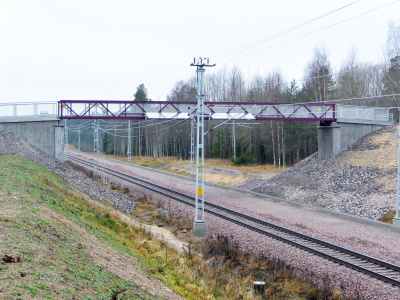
x=131 y=110
x=97 y=109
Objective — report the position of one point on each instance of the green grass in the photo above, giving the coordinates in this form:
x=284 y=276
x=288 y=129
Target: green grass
x=51 y=251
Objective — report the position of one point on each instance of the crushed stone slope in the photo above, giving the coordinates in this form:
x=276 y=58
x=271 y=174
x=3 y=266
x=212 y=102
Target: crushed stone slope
x=11 y=144
x=360 y=181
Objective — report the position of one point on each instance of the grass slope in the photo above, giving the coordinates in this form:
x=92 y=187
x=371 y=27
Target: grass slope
x=36 y=209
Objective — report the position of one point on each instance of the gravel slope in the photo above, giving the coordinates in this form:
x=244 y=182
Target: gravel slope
x=361 y=181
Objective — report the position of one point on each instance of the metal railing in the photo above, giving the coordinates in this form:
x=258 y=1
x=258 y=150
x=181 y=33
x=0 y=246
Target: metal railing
x=353 y=112
x=28 y=109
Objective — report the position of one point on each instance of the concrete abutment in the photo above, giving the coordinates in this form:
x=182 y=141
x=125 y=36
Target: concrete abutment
x=45 y=133
x=336 y=137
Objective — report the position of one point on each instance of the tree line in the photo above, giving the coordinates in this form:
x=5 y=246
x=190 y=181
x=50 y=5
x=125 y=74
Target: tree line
x=279 y=143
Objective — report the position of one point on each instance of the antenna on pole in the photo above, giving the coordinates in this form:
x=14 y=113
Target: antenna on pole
x=199 y=222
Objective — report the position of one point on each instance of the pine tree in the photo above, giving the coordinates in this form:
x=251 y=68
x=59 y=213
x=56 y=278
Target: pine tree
x=141 y=93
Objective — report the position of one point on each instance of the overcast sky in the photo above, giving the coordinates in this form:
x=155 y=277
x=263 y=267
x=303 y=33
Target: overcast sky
x=80 y=49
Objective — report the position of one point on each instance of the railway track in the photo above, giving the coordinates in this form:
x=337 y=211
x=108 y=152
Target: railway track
x=362 y=263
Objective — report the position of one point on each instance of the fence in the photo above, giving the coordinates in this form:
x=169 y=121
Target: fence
x=28 y=109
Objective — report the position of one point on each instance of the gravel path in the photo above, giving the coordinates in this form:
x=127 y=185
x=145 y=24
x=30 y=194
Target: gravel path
x=367 y=236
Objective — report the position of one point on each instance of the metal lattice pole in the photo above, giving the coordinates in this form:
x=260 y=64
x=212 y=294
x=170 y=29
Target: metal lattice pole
x=234 y=140
x=199 y=204
x=129 y=142
x=96 y=149
x=79 y=138
x=192 y=152
x=199 y=220
x=396 y=217
x=66 y=141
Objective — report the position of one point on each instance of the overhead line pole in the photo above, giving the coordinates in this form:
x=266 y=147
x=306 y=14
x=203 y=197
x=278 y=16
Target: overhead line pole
x=192 y=151
x=66 y=141
x=96 y=149
x=129 y=142
x=79 y=138
x=396 y=219
x=199 y=223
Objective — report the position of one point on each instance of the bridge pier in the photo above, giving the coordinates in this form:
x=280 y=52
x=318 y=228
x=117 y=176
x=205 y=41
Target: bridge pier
x=45 y=133
x=336 y=137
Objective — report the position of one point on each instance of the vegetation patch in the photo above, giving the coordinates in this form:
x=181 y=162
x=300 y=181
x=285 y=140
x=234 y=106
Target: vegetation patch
x=388 y=217
x=229 y=272
x=45 y=255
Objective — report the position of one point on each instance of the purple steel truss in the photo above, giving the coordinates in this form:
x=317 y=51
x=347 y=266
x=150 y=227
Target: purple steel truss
x=113 y=109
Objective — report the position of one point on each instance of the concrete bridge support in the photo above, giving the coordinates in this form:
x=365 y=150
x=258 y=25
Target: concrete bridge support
x=336 y=137
x=46 y=133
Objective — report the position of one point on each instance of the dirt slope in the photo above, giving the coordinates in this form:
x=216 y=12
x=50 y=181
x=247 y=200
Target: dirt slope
x=361 y=181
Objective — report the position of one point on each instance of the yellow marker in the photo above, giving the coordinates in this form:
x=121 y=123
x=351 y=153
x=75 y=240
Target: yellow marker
x=200 y=166
x=200 y=191
x=319 y=108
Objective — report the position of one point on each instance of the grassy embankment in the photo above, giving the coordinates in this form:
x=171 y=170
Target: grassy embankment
x=58 y=238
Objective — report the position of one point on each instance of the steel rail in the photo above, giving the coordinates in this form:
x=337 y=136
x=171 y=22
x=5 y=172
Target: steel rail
x=361 y=263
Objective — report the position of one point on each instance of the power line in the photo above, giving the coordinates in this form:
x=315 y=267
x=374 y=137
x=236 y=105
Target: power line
x=296 y=38
x=147 y=134
x=245 y=47
x=141 y=126
x=361 y=98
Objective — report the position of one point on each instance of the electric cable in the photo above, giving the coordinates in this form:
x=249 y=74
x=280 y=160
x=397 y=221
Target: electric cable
x=245 y=47
x=307 y=34
x=147 y=134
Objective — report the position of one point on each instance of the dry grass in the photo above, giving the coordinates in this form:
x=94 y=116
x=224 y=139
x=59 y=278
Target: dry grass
x=160 y=162
x=382 y=153
x=227 y=164
x=223 y=271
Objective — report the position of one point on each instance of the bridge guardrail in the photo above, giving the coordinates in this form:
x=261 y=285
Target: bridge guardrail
x=28 y=109
x=354 y=112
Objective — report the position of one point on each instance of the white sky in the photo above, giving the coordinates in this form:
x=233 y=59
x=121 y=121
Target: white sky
x=102 y=49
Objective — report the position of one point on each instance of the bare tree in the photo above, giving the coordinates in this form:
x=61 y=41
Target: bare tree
x=356 y=79
x=318 y=79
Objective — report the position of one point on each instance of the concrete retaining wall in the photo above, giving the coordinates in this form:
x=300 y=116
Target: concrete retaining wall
x=337 y=137
x=46 y=133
